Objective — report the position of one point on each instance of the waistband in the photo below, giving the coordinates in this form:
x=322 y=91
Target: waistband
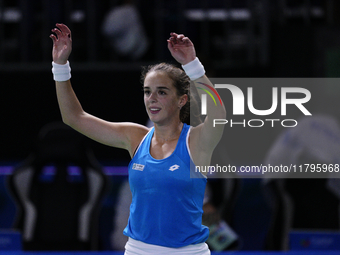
x=134 y=247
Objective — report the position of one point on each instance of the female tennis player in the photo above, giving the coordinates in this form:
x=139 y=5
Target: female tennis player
x=166 y=209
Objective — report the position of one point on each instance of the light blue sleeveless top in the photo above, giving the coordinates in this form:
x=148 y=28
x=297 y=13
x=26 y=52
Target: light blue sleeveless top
x=166 y=206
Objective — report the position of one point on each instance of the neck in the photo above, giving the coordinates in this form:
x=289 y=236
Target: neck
x=168 y=133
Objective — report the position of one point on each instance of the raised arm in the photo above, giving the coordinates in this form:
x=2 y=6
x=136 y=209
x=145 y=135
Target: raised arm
x=120 y=135
x=205 y=137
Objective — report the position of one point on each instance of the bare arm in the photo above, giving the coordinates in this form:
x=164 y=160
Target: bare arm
x=120 y=135
x=205 y=137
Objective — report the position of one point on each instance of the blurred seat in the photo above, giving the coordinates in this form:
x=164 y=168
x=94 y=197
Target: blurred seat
x=58 y=191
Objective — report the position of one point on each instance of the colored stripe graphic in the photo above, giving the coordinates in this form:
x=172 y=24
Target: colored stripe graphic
x=213 y=89
x=209 y=94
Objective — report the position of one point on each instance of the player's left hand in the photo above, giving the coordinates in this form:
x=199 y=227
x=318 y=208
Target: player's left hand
x=181 y=48
x=62 y=44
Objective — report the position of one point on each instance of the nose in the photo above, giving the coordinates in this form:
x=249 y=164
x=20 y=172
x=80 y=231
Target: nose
x=152 y=97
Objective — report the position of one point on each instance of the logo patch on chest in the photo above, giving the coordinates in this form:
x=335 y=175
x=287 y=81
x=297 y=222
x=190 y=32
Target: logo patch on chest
x=138 y=167
x=174 y=167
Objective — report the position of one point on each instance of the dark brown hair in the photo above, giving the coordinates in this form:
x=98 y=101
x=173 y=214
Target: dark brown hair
x=182 y=84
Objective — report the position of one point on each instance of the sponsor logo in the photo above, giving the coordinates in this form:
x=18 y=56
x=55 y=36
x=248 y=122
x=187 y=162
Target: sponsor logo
x=174 y=167
x=138 y=167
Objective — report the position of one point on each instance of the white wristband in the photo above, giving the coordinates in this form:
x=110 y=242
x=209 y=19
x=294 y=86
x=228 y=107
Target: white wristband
x=194 y=69
x=61 y=72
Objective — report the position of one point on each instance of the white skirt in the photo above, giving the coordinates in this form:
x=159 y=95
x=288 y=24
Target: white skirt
x=134 y=247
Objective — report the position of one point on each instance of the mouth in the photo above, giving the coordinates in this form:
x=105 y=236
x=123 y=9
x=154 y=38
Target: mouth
x=154 y=110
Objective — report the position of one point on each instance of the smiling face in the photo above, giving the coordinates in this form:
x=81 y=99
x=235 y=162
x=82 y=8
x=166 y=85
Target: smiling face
x=161 y=99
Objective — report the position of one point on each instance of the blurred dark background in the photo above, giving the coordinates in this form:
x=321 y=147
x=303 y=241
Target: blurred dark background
x=259 y=38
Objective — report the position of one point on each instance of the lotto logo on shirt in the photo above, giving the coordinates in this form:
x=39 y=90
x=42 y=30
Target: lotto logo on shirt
x=138 y=167
x=174 y=167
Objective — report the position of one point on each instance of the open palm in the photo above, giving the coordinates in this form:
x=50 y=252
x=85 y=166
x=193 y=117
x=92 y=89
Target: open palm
x=62 y=44
x=181 y=48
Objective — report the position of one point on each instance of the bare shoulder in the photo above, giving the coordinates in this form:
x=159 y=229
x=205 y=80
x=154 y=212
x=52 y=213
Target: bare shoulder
x=124 y=135
x=131 y=126
x=199 y=149
x=134 y=133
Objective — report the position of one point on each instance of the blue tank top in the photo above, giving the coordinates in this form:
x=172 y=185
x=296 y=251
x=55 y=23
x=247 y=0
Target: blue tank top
x=166 y=206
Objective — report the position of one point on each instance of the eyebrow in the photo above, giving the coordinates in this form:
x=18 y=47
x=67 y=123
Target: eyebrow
x=145 y=87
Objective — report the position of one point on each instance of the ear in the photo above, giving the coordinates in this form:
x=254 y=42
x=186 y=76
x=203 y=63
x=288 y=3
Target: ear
x=183 y=100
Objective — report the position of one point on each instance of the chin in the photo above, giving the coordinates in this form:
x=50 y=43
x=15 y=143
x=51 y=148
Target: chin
x=157 y=121
x=154 y=118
